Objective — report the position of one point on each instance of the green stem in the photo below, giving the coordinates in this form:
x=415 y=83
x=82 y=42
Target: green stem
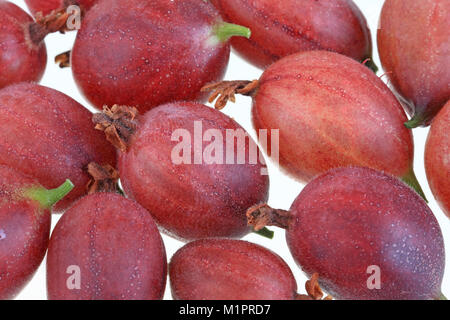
x=266 y=233
x=415 y=122
x=47 y=198
x=411 y=180
x=224 y=31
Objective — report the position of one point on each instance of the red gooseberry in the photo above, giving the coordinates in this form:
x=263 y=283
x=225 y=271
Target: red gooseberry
x=331 y=112
x=281 y=28
x=437 y=158
x=106 y=247
x=24 y=227
x=414 y=47
x=48 y=135
x=223 y=269
x=146 y=53
x=189 y=165
x=23 y=55
x=367 y=234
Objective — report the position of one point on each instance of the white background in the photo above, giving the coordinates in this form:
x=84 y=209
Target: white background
x=283 y=190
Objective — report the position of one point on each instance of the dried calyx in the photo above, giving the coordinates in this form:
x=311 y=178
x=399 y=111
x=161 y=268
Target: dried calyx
x=313 y=290
x=53 y=22
x=63 y=59
x=119 y=124
x=226 y=90
x=104 y=179
x=261 y=215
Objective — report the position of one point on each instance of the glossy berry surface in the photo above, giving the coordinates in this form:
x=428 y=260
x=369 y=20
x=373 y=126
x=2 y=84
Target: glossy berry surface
x=21 y=59
x=146 y=53
x=24 y=229
x=46 y=7
x=220 y=269
x=414 y=47
x=349 y=220
x=281 y=28
x=437 y=158
x=116 y=246
x=172 y=167
x=49 y=136
x=332 y=111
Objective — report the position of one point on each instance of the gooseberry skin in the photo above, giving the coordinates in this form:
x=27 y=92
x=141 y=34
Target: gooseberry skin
x=437 y=158
x=47 y=6
x=146 y=53
x=222 y=269
x=349 y=219
x=24 y=232
x=20 y=58
x=281 y=28
x=48 y=135
x=331 y=112
x=116 y=245
x=414 y=47
x=190 y=201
